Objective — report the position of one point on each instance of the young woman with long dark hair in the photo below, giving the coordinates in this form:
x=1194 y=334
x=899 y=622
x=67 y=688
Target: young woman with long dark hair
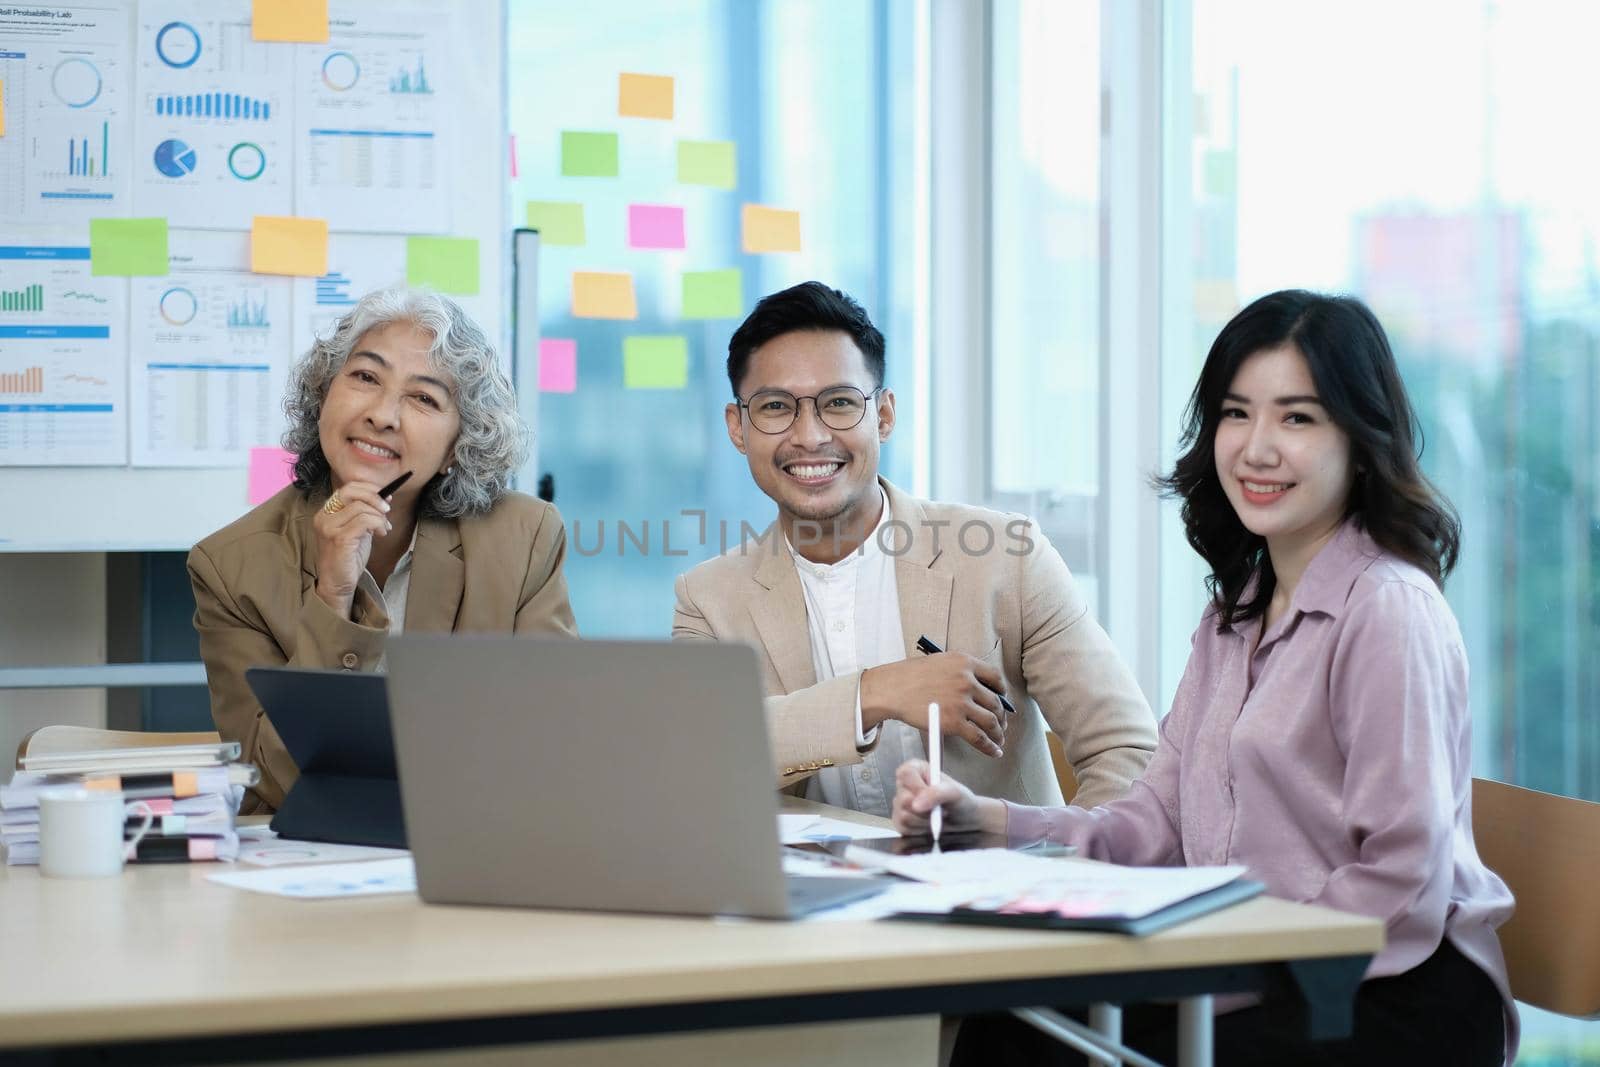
x=1321 y=734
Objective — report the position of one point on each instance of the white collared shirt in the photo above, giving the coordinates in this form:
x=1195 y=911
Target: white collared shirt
x=392 y=595
x=853 y=619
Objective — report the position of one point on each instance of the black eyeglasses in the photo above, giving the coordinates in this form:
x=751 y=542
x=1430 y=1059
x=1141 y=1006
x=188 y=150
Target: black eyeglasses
x=840 y=408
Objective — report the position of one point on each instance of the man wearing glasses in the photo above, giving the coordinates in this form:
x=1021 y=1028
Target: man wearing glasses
x=854 y=575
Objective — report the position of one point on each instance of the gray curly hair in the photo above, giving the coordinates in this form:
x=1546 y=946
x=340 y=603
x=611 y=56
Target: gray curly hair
x=493 y=439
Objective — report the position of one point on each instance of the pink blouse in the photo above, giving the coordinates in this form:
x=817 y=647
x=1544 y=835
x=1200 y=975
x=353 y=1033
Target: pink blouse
x=1333 y=760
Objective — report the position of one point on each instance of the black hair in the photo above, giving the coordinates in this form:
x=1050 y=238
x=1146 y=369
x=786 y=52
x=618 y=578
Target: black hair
x=1359 y=385
x=807 y=306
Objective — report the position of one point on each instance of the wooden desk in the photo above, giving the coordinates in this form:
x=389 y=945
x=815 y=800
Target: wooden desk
x=162 y=964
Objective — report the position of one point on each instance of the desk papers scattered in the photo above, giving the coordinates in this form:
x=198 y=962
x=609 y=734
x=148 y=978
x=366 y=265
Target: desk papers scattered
x=327 y=880
x=260 y=847
x=800 y=829
x=1008 y=884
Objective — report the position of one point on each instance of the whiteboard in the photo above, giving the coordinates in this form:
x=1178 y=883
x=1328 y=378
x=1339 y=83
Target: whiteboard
x=162 y=508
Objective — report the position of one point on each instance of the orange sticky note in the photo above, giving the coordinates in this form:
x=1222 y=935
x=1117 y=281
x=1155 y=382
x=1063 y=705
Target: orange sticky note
x=597 y=295
x=644 y=96
x=289 y=20
x=283 y=244
x=770 y=229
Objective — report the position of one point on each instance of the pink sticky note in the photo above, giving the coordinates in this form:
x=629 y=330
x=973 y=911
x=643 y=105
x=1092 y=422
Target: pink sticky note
x=655 y=226
x=558 y=365
x=270 y=470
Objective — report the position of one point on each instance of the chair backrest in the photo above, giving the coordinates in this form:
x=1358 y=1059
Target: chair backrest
x=54 y=739
x=1547 y=849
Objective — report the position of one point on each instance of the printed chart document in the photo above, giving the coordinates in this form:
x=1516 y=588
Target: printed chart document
x=212 y=127
x=327 y=880
x=372 y=110
x=212 y=355
x=357 y=264
x=66 y=77
x=799 y=829
x=259 y=846
x=63 y=356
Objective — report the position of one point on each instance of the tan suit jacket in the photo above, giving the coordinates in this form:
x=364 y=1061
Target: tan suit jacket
x=255 y=604
x=1014 y=605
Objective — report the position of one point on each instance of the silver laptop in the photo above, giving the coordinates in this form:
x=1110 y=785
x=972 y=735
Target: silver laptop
x=609 y=775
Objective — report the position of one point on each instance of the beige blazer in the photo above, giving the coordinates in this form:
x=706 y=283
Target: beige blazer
x=1014 y=605
x=255 y=604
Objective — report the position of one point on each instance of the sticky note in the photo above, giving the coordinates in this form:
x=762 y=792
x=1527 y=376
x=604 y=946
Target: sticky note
x=558 y=222
x=128 y=246
x=512 y=151
x=2 y=108
x=448 y=264
x=289 y=20
x=770 y=229
x=586 y=154
x=644 y=96
x=558 y=365
x=659 y=362
x=597 y=295
x=713 y=294
x=712 y=163
x=270 y=470
x=655 y=226
x=286 y=244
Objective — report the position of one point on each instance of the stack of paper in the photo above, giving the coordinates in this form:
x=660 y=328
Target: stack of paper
x=191 y=793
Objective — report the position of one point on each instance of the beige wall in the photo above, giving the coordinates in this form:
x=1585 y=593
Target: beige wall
x=52 y=611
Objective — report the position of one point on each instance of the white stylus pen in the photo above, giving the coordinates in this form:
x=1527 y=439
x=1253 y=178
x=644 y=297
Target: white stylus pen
x=935 y=743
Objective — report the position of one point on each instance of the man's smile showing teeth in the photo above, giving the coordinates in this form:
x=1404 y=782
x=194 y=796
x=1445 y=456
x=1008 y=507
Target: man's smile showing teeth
x=375 y=450
x=812 y=471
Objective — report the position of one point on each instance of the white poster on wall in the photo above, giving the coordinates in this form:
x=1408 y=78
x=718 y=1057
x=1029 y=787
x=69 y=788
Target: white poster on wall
x=64 y=73
x=63 y=357
x=211 y=345
x=372 y=110
x=212 y=129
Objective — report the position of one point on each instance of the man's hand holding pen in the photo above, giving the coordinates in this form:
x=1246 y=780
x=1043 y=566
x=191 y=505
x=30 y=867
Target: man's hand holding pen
x=967 y=690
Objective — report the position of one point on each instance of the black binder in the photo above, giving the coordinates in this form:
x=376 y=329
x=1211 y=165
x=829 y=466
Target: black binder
x=1222 y=896
x=335 y=725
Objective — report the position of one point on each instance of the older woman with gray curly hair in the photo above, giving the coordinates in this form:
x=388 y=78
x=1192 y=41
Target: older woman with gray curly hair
x=406 y=432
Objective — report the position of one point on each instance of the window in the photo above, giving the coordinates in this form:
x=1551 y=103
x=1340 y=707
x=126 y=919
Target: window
x=818 y=98
x=1422 y=156
x=1045 y=274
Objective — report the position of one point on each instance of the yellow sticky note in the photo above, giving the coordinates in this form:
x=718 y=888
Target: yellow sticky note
x=289 y=20
x=282 y=244
x=770 y=229
x=597 y=295
x=644 y=96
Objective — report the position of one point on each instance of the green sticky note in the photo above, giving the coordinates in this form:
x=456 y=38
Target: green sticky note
x=448 y=264
x=708 y=163
x=588 y=155
x=713 y=294
x=128 y=246
x=558 y=222
x=660 y=362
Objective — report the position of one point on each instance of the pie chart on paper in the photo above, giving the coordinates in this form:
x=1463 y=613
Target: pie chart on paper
x=174 y=158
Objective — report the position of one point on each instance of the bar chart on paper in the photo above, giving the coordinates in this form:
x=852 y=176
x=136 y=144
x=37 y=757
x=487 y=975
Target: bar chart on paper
x=62 y=369
x=66 y=113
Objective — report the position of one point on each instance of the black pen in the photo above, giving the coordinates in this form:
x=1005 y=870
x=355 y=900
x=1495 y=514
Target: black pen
x=932 y=649
x=387 y=491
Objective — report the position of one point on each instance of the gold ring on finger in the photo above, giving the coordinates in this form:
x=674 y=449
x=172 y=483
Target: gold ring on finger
x=334 y=505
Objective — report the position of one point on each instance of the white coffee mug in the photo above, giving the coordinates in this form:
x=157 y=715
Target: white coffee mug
x=80 y=832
